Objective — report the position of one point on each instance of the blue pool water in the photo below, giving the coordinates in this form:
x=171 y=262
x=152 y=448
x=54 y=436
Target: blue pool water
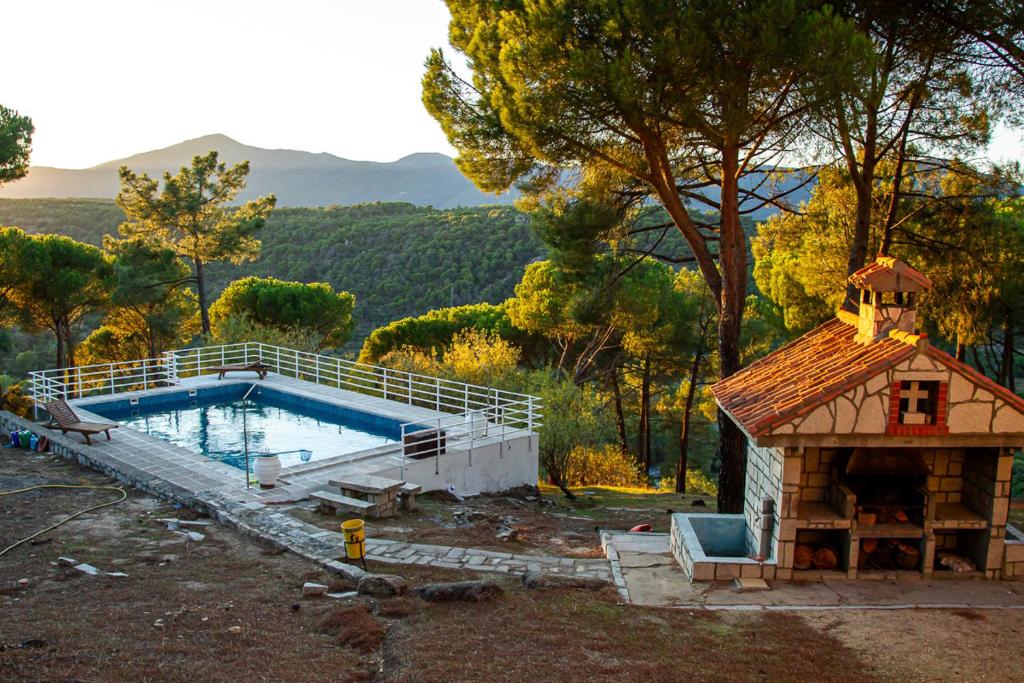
x=211 y=423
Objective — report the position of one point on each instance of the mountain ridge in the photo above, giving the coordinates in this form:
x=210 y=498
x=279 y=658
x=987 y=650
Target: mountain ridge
x=298 y=178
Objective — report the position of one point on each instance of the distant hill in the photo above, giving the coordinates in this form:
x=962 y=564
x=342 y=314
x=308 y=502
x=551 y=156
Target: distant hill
x=297 y=178
x=398 y=259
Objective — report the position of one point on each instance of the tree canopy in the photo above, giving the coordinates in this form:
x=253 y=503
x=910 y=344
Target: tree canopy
x=314 y=308
x=191 y=217
x=644 y=99
x=15 y=144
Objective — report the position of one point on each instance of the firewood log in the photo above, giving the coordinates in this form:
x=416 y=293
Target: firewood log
x=957 y=563
x=867 y=518
x=907 y=556
x=869 y=545
x=902 y=517
x=826 y=558
x=802 y=557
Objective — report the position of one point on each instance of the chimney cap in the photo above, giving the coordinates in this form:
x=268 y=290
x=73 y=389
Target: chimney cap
x=890 y=274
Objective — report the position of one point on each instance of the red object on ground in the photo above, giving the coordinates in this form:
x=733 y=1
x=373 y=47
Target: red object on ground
x=642 y=527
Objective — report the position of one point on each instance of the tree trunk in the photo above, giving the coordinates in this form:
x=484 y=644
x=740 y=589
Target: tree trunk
x=859 y=248
x=58 y=332
x=620 y=415
x=644 y=429
x=961 y=350
x=204 y=309
x=1007 y=370
x=733 y=263
x=684 y=429
x=556 y=479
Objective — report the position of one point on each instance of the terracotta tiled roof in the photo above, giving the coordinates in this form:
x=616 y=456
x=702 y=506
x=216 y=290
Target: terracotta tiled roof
x=806 y=373
x=884 y=271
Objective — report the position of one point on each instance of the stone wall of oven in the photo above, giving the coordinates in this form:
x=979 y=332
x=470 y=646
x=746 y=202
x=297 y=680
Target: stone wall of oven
x=763 y=480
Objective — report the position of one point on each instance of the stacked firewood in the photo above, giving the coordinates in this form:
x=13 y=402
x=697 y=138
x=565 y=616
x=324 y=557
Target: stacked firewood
x=822 y=557
x=882 y=515
x=884 y=553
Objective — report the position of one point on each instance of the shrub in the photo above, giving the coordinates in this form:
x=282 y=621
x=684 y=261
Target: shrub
x=604 y=466
x=697 y=483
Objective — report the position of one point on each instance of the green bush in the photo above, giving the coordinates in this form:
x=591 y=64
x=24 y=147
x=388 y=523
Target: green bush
x=604 y=466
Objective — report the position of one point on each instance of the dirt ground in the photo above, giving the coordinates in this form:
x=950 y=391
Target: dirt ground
x=543 y=521
x=223 y=608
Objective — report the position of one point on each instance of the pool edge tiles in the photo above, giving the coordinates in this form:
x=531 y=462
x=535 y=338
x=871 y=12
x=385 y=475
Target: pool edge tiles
x=129 y=409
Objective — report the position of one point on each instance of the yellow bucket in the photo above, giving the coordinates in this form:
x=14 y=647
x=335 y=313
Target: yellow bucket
x=354 y=533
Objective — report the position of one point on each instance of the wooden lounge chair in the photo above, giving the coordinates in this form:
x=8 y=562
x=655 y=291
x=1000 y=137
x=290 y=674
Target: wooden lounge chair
x=62 y=417
x=259 y=367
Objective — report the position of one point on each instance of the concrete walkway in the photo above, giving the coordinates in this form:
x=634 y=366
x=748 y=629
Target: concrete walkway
x=646 y=574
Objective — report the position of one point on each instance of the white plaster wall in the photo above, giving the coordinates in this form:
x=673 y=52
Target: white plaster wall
x=865 y=408
x=488 y=467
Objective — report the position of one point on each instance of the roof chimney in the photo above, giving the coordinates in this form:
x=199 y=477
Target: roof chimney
x=889 y=290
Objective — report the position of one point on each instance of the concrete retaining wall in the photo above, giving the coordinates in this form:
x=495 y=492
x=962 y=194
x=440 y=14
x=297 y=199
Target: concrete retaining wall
x=485 y=467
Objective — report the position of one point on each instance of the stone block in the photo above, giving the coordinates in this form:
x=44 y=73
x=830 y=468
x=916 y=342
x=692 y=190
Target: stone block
x=1000 y=510
x=768 y=572
x=727 y=571
x=703 y=571
x=750 y=571
x=956 y=469
x=783 y=574
x=1004 y=468
x=995 y=553
x=950 y=484
x=811 y=460
x=787 y=530
x=818 y=480
x=785 y=553
x=1014 y=552
x=791 y=471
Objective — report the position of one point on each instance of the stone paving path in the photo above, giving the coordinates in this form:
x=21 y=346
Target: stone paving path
x=276 y=525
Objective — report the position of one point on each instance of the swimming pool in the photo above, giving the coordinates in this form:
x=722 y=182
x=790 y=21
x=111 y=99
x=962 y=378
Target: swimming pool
x=210 y=422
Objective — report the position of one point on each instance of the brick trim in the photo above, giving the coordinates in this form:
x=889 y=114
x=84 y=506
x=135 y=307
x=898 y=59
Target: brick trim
x=940 y=428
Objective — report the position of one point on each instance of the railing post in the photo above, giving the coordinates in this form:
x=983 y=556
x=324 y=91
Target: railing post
x=316 y=367
x=385 y=384
x=409 y=376
x=297 y=364
x=145 y=380
x=111 y=377
x=437 y=394
x=529 y=413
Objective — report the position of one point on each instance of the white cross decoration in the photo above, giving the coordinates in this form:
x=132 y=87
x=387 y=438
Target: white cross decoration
x=914 y=395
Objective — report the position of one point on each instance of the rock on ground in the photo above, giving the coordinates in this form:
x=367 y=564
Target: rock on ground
x=535 y=581
x=381 y=585
x=472 y=591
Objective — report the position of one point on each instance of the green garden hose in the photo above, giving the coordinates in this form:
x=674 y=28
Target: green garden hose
x=124 y=496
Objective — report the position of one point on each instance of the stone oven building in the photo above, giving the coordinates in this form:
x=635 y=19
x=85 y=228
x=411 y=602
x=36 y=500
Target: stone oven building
x=871 y=453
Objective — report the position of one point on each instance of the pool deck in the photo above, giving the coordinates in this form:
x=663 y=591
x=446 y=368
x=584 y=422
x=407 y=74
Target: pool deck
x=196 y=473
x=178 y=474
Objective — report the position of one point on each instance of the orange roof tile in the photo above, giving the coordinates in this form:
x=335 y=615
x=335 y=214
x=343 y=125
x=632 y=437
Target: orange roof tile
x=804 y=374
x=887 y=273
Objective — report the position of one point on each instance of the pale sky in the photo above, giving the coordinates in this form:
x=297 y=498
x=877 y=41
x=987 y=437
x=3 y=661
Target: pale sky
x=105 y=79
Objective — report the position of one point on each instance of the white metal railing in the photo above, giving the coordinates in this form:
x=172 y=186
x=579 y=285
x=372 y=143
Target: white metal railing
x=477 y=411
